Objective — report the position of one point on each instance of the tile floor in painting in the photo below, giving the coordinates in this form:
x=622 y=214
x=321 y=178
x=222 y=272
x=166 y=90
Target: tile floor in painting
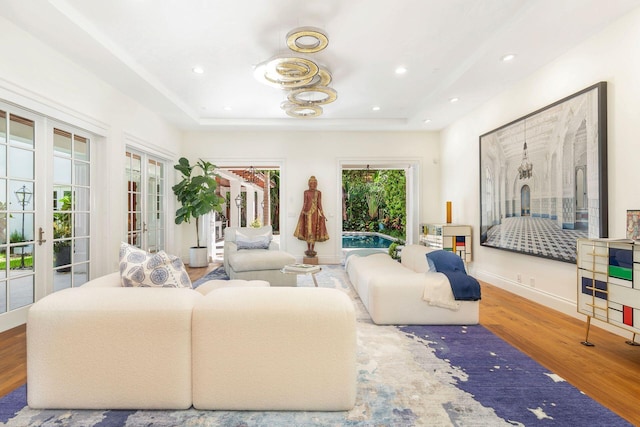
x=536 y=236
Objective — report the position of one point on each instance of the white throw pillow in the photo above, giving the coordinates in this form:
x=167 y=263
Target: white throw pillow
x=259 y=241
x=158 y=270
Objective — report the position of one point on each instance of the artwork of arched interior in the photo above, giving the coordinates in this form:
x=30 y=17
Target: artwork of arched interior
x=542 y=178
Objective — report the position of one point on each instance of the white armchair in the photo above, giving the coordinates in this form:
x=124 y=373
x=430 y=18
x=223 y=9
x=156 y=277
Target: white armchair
x=251 y=254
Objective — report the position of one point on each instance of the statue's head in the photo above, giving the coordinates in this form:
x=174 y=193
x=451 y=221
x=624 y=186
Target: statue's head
x=313 y=182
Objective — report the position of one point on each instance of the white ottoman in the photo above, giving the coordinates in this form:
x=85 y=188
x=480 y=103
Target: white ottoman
x=212 y=285
x=263 y=265
x=111 y=348
x=274 y=349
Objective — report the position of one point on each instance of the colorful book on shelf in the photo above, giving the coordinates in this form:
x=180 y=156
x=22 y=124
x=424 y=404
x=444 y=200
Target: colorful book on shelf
x=302 y=268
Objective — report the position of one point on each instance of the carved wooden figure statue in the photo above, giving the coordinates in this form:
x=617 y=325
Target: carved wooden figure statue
x=311 y=224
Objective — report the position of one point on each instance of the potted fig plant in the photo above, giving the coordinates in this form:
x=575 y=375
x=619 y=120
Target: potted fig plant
x=196 y=192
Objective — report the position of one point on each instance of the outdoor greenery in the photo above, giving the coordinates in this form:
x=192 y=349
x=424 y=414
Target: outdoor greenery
x=16 y=237
x=15 y=262
x=62 y=224
x=393 y=250
x=375 y=200
x=274 y=199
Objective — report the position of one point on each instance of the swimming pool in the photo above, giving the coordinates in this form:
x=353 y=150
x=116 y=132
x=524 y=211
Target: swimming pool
x=366 y=240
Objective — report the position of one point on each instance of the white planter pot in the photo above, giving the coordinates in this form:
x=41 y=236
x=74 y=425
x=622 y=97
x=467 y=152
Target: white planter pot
x=198 y=257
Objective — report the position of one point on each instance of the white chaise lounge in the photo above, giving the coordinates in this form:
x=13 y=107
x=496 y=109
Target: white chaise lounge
x=394 y=292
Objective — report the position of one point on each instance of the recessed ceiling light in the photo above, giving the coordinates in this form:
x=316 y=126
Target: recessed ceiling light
x=226 y=108
x=375 y=108
x=198 y=70
x=401 y=70
x=427 y=121
x=452 y=100
x=508 y=57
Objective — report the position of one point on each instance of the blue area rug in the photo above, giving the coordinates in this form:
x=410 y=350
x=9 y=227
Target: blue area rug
x=216 y=274
x=407 y=376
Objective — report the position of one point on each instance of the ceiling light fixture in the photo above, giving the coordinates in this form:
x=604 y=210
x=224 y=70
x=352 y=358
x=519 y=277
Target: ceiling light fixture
x=251 y=175
x=306 y=81
x=307 y=40
x=508 y=57
x=427 y=121
x=375 y=108
x=198 y=70
x=401 y=70
x=368 y=175
x=454 y=100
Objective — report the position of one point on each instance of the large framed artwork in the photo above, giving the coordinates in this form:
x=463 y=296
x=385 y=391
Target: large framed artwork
x=543 y=178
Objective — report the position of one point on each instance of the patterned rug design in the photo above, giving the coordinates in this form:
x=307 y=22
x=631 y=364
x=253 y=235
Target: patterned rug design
x=407 y=376
x=215 y=274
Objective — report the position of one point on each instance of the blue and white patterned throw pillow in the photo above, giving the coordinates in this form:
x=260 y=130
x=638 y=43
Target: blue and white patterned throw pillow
x=158 y=270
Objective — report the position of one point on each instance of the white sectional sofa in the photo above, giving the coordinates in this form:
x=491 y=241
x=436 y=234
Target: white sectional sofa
x=103 y=346
x=406 y=293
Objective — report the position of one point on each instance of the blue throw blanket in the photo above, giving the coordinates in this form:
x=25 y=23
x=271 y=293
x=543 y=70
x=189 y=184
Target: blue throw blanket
x=464 y=287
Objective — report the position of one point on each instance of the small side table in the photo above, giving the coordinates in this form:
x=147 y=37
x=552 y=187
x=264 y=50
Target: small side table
x=294 y=269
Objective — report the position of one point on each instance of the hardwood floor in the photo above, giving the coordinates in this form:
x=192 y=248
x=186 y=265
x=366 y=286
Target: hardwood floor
x=608 y=372
x=13 y=359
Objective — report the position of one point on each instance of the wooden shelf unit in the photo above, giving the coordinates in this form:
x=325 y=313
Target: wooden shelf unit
x=450 y=237
x=608 y=283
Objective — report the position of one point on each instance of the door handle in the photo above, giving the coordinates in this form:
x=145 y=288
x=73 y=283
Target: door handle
x=40 y=235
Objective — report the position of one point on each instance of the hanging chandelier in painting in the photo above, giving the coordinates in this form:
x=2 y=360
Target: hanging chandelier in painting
x=525 y=170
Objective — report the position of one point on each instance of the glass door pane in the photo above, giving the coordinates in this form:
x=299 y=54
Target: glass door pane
x=71 y=206
x=146 y=214
x=155 y=207
x=17 y=211
x=134 y=207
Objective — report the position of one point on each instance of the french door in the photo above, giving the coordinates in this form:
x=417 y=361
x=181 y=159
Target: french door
x=71 y=208
x=18 y=202
x=44 y=210
x=146 y=201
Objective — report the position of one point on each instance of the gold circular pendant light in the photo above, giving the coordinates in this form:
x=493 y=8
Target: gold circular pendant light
x=324 y=77
x=307 y=40
x=291 y=68
x=306 y=81
x=274 y=80
x=303 y=111
x=312 y=95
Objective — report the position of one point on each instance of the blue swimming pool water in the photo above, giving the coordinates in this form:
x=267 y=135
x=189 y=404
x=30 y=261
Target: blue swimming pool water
x=365 y=241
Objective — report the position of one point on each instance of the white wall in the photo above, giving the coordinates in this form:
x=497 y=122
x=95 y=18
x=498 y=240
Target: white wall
x=36 y=77
x=612 y=56
x=303 y=154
